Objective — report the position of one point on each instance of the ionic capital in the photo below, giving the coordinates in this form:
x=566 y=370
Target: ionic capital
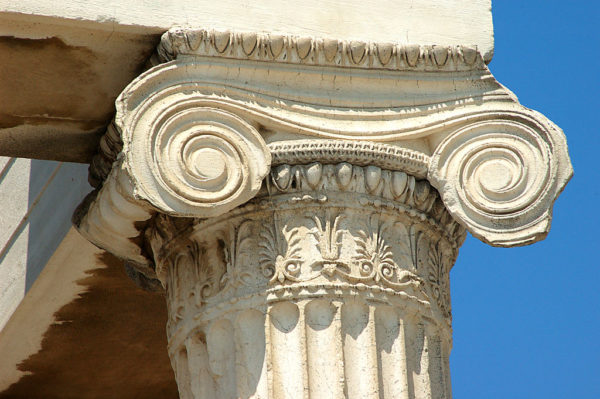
x=302 y=201
x=200 y=129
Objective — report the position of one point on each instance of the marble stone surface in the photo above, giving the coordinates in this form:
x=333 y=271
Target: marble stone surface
x=301 y=201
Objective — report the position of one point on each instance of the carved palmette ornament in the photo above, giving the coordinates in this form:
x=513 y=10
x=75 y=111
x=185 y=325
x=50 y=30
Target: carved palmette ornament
x=367 y=235
x=324 y=254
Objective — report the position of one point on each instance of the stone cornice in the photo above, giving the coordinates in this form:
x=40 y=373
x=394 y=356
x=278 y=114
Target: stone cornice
x=316 y=51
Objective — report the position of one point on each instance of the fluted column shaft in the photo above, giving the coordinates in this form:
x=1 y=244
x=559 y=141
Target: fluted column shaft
x=331 y=283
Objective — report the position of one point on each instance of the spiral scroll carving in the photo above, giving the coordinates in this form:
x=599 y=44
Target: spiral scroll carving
x=193 y=160
x=498 y=178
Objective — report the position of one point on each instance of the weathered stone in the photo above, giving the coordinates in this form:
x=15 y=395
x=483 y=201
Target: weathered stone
x=302 y=201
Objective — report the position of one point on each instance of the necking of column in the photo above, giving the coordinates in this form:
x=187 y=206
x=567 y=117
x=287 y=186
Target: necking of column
x=332 y=282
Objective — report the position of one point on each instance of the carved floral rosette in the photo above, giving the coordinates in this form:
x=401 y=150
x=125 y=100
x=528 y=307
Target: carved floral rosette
x=328 y=247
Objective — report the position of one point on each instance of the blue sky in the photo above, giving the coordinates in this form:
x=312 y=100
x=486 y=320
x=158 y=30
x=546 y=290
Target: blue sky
x=527 y=320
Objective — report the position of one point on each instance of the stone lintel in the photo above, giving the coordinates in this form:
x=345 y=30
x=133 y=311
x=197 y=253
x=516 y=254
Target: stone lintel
x=446 y=22
x=64 y=62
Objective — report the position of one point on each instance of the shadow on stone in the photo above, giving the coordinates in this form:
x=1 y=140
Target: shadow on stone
x=108 y=343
